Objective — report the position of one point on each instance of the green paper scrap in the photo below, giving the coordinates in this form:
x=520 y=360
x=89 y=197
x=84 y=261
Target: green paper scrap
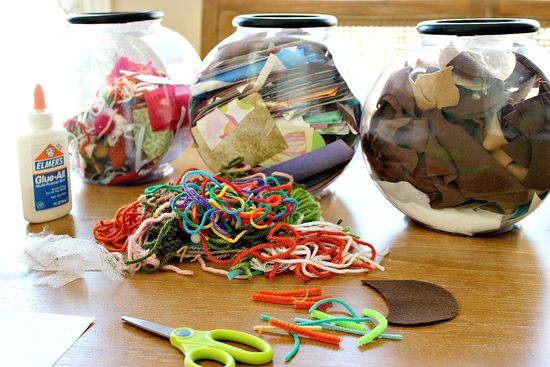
x=340 y=129
x=240 y=105
x=155 y=143
x=316 y=118
x=256 y=138
x=318 y=141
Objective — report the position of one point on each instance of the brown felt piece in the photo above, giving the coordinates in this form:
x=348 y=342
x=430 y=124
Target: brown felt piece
x=413 y=302
x=398 y=92
x=520 y=150
x=532 y=118
x=467 y=64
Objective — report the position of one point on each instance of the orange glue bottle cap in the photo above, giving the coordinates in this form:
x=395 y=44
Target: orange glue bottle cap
x=39 y=99
x=40 y=117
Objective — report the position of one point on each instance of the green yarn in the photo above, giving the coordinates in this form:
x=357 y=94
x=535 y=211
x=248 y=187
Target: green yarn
x=309 y=206
x=166 y=238
x=225 y=171
x=163 y=239
x=248 y=240
x=244 y=265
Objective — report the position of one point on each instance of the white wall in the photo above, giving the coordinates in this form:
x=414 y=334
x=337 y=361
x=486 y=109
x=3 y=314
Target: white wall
x=183 y=16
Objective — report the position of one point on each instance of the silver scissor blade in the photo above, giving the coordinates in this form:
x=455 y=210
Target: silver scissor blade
x=158 y=329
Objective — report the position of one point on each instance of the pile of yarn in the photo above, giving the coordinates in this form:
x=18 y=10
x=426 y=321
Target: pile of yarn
x=255 y=225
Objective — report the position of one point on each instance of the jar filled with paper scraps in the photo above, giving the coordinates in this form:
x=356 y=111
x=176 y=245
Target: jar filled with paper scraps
x=455 y=132
x=132 y=93
x=272 y=95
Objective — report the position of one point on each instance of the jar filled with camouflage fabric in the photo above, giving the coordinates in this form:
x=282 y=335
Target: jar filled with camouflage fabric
x=456 y=132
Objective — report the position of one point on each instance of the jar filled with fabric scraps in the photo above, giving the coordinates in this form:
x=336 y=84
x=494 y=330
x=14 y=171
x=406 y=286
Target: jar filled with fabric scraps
x=456 y=131
x=271 y=97
x=132 y=95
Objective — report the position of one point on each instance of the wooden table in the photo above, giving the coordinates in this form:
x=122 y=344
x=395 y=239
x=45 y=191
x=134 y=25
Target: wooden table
x=502 y=285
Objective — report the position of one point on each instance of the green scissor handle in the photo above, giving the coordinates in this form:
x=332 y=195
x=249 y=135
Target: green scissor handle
x=197 y=345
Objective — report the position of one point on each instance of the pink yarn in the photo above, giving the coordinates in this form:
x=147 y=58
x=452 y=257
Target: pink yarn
x=135 y=241
x=209 y=269
x=135 y=247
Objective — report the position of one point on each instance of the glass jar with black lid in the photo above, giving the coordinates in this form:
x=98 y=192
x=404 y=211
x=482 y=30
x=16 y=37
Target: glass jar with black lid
x=456 y=132
x=132 y=92
x=271 y=97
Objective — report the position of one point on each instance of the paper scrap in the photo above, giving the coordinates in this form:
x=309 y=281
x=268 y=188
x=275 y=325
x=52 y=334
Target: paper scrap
x=315 y=162
x=38 y=339
x=272 y=64
x=299 y=137
x=338 y=129
x=292 y=57
x=316 y=118
x=214 y=127
x=155 y=143
x=256 y=138
x=236 y=110
x=220 y=122
x=436 y=90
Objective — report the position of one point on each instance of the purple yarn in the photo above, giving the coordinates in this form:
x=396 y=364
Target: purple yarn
x=213 y=221
x=250 y=180
x=181 y=203
x=196 y=197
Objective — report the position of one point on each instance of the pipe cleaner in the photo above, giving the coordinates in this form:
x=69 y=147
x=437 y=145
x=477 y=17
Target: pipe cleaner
x=298 y=292
x=316 y=314
x=326 y=324
x=379 y=329
x=382 y=322
x=327 y=338
x=286 y=300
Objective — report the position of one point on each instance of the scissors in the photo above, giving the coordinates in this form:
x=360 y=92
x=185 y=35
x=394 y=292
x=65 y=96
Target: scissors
x=197 y=345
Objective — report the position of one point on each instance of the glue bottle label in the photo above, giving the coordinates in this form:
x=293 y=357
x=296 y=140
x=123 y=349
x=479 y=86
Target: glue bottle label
x=50 y=176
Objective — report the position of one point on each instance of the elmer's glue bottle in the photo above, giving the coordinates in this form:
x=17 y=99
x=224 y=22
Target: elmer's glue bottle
x=43 y=166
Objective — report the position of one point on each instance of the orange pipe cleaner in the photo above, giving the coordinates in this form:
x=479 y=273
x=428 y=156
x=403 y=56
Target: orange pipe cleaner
x=297 y=292
x=286 y=300
x=270 y=298
x=327 y=338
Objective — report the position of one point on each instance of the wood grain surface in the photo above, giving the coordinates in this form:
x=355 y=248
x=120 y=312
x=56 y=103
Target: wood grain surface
x=502 y=285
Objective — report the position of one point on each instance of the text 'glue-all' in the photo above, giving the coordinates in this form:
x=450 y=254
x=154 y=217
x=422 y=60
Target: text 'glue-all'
x=43 y=166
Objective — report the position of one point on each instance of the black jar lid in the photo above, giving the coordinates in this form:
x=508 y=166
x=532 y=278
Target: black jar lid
x=478 y=26
x=114 y=17
x=282 y=20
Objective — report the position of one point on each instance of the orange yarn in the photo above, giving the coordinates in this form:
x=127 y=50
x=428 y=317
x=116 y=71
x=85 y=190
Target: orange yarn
x=327 y=338
x=114 y=233
x=285 y=236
